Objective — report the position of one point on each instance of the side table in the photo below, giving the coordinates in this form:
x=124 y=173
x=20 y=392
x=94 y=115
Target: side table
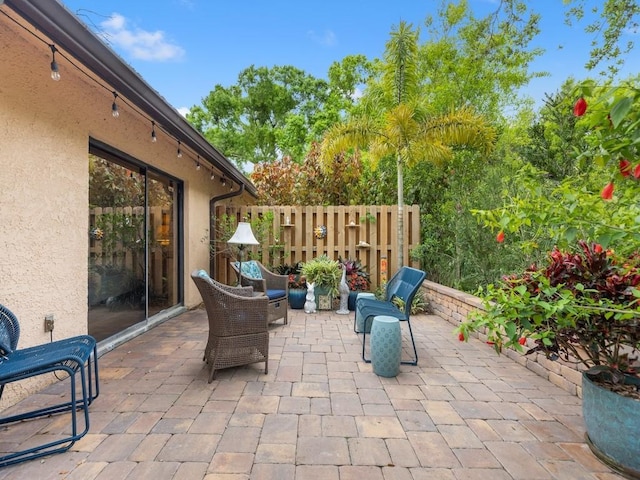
x=386 y=345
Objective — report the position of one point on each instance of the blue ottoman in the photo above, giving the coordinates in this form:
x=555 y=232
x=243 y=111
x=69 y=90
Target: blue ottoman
x=386 y=346
x=359 y=323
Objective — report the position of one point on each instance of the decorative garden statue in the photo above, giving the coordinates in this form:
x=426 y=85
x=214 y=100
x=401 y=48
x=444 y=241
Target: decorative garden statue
x=310 y=303
x=343 y=288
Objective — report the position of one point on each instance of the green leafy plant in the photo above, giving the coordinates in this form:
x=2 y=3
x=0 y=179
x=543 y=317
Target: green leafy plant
x=582 y=306
x=323 y=273
x=419 y=304
x=296 y=280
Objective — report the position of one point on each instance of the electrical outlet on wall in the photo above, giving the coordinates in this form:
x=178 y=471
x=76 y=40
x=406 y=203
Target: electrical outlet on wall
x=48 y=323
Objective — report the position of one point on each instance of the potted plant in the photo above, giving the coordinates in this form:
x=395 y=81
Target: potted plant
x=583 y=307
x=358 y=279
x=325 y=274
x=297 y=284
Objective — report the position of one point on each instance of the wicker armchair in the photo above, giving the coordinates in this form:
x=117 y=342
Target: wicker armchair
x=238 y=327
x=274 y=286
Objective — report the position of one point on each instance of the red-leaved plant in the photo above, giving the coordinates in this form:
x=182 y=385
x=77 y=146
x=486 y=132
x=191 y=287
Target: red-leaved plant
x=357 y=275
x=582 y=306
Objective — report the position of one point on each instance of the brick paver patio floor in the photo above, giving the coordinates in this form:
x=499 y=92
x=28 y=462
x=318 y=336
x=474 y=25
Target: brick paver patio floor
x=320 y=413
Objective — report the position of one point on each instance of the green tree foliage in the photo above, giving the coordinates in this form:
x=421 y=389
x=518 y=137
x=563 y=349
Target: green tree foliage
x=598 y=204
x=554 y=137
x=478 y=61
x=395 y=122
x=612 y=19
x=275 y=112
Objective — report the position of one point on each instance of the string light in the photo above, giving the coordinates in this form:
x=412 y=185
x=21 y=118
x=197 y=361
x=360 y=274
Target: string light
x=55 y=72
x=114 y=106
x=115 y=111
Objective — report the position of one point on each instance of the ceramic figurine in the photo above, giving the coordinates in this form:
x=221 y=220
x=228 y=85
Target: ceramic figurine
x=310 y=303
x=343 y=288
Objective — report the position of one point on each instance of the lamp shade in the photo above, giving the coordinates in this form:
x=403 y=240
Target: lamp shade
x=243 y=235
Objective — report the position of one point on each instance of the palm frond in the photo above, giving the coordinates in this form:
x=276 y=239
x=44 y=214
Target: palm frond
x=400 y=69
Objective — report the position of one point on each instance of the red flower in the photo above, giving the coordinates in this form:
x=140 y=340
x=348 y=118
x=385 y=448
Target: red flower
x=607 y=191
x=625 y=167
x=461 y=337
x=500 y=237
x=597 y=248
x=636 y=171
x=580 y=107
x=522 y=341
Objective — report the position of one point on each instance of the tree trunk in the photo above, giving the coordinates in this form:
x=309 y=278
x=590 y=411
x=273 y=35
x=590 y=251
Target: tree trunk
x=400 y=212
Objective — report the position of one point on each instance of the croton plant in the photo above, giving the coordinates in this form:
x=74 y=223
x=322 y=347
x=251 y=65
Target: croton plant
x=357 y=275
x=582 y=306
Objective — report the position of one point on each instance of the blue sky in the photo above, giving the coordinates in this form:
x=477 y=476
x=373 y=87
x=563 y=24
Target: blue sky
x=183 y=48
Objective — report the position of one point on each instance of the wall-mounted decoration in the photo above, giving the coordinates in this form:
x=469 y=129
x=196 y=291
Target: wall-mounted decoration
x=320 y=232
x=96 y=233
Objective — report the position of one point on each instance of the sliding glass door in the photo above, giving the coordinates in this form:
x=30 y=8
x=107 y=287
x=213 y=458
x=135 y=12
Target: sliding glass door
x=133 y=243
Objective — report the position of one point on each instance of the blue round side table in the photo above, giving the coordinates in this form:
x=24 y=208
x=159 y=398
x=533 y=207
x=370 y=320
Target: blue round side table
x=386 y=345
x=359 y=319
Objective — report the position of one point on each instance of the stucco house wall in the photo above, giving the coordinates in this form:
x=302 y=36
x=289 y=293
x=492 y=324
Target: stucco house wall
x=45 y=127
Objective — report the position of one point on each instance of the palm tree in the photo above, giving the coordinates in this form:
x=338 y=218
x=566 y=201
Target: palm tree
x=393 y=120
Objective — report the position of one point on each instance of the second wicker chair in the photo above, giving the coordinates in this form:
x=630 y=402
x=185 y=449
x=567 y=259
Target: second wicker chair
x=238 y=324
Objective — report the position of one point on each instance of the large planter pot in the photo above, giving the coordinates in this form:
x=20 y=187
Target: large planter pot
x=297 y=297
x=324 y=300
x=613 y=423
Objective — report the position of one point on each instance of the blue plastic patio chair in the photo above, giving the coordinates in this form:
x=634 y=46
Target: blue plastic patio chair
x=75 y=355
x=402 y=286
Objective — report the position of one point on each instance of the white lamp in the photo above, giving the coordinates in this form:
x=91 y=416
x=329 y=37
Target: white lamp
x=242 y=237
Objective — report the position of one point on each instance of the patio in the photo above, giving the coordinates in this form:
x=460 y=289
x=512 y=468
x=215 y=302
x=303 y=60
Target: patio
x=320 y=413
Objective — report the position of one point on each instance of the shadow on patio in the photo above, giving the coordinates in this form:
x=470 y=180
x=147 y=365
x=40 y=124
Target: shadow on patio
x=320 y=413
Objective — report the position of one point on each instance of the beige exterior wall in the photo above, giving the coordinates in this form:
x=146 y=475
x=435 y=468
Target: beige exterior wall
x=45 y=128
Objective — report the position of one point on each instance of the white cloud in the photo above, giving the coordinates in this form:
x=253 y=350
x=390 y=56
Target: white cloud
x=183 y=111
x=139 y=44
x=328 y=38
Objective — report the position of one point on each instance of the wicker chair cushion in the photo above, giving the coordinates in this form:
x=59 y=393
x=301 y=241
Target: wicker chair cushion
x=204 y=275
x=275 y=294
x=249 y=269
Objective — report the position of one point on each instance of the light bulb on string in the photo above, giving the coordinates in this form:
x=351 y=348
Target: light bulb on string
x=212 y=175
x=198 y=163
x=114 y=106
x=179 y=153
x=55 y=72
x=154 y=139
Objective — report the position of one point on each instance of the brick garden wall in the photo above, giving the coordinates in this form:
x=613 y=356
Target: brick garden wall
x=454 y=306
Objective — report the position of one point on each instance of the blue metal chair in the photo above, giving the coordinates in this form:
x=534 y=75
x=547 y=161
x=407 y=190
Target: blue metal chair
x=403 y=286
x=70 y=355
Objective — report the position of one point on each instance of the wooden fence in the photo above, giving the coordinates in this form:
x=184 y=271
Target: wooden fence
x=366 y=233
